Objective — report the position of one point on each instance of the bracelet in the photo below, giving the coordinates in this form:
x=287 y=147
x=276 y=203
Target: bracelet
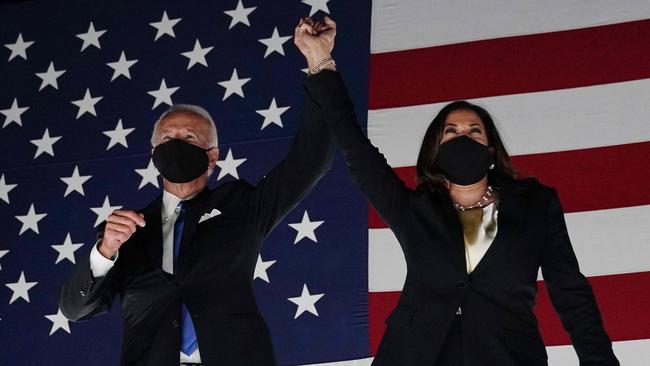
x=321 y=65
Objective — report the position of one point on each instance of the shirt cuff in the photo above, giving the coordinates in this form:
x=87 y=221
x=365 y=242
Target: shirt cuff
x=100 y=265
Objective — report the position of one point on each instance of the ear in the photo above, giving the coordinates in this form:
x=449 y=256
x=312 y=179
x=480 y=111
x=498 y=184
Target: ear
x=213 y=156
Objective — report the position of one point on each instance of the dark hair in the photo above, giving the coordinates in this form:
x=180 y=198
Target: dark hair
x=430 y=176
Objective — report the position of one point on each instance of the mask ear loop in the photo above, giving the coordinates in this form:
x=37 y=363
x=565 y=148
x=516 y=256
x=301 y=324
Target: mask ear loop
x=491 y=149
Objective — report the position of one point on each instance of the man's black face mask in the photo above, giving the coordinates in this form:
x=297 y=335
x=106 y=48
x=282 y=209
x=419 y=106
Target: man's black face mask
x=464 y=160
x=179 y=161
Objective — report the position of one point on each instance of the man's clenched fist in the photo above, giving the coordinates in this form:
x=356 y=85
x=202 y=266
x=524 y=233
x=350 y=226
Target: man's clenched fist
x=120 y=225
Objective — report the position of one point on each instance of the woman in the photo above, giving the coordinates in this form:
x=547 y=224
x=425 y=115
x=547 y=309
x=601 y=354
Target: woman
x=473 y=235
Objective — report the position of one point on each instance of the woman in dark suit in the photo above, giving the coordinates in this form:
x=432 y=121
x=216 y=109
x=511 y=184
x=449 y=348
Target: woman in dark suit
x=474 y=237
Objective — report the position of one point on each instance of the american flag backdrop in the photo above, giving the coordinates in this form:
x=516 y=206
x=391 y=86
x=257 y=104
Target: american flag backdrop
x=81 y=84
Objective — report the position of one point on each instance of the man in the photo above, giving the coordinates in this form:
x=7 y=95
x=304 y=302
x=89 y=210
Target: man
x=183 y=266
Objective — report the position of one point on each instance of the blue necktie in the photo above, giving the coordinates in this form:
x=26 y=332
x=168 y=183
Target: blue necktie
x=188 y=337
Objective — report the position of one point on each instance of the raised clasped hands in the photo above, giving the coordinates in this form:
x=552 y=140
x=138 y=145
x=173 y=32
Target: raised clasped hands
x=315 y=40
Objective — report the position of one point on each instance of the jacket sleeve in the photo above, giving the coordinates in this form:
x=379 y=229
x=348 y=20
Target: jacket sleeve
x=310 y=156
x=571 y=293
x=82 y=296
x=368 y=167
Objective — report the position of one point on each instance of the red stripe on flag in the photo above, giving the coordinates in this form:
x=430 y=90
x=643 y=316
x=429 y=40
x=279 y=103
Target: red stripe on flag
x=586 y=179
x=511 y=65
x=623 y=301
x=380 y=304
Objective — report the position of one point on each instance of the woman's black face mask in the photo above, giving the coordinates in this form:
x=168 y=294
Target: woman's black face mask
x=179 y=161
x=464 y=160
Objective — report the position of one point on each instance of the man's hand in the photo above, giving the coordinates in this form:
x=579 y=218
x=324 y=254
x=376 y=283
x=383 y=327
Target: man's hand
x=315 y=40
x=120 y=225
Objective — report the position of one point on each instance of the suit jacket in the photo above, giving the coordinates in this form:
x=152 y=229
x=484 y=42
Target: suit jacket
x=498 y=325
x=215 y=265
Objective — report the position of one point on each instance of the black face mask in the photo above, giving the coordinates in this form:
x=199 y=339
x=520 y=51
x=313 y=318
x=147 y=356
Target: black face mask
x=464 y=160
x=179 y=161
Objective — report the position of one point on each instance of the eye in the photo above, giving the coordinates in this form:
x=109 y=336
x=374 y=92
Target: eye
x=477 y=130
x=450 y=130
x=164 y=138
x=190 y=137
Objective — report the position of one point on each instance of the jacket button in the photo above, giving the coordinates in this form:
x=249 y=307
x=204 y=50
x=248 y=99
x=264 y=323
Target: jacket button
x=175 y=323
x=463 y=284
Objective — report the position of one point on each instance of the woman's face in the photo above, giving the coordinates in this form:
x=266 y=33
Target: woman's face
x=464 y=122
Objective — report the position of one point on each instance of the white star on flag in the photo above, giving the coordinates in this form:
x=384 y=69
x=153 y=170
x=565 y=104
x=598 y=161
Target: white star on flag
x=87 y=104
x=165 y=26
x=91 y=37
x=163 y=94
x=229 y=165
x=234 y=85
x=317 y=5
x=260 y=269
x=118 y=135
x=59 y=321
x=274 y=43
x=305 y=302
x=239 y=14
x=75 y=182
x=197 y=55
x=30 y=220
x=272 y=115
x=2 y=254
x=149 y=175
x=50 y=77
x=66 y=250
x=19 y=48
x=45 y=144
x=121 y=67
x=20 y=288
x=5 y=188
x=306 y=228
x=13 y=114
x=103 y=211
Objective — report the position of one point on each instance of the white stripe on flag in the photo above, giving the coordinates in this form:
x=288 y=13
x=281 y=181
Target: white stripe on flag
x=398 y=25
x=559 y=120
x=629 y=353
x=603 y=241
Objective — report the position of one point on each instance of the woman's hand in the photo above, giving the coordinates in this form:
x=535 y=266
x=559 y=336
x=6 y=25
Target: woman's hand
x=315 y=40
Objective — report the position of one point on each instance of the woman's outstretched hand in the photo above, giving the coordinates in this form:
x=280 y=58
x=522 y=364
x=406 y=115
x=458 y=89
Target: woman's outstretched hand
x=315 y=40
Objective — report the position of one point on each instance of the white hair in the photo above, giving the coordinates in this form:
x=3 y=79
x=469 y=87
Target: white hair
x=190 y=108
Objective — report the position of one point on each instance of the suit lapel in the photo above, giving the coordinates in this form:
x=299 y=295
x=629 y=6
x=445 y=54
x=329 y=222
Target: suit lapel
x=153 y=230
x=512 y=210
x=452 y=230
x=196 y=208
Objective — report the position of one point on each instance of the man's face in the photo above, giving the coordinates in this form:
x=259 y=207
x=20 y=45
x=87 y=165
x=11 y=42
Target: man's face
x=191 y=128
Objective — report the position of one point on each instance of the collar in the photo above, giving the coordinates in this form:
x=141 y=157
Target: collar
x=170 y=201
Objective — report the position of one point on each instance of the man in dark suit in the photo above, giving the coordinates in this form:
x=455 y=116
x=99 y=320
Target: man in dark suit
x=183 y=266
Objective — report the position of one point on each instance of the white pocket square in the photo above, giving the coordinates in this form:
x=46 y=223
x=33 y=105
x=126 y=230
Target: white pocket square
x=209 y=215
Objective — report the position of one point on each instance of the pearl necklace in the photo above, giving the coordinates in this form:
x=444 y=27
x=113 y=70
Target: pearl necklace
x=481 y=203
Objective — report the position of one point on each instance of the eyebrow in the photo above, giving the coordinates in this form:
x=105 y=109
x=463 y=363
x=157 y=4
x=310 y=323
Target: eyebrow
x=186 y=128
x=455 y=125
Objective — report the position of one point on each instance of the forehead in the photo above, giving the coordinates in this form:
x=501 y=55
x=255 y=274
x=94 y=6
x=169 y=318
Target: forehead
x=184 y=120
x=464 y=117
